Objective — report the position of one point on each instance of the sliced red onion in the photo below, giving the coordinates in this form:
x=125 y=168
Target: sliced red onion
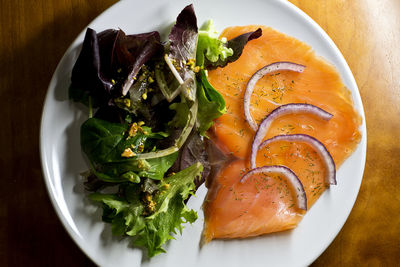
x=291 y=177
x=314 y=143
x=277 y=66
x=278 y=112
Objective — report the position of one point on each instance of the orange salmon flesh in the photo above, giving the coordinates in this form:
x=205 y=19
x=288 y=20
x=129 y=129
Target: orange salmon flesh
x=266 y=204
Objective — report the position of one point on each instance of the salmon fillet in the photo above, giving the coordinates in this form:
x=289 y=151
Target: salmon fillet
x=266 y=204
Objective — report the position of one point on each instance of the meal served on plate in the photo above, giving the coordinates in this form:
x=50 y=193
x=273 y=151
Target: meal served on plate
x=255 y=114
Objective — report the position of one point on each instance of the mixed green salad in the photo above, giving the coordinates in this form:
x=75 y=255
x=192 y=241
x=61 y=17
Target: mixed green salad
x=150 y=106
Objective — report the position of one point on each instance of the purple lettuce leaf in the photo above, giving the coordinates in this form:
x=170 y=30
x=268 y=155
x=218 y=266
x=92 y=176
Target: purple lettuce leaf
x=91 y=72
x=217 y=159
x=204 y=150
x=237 y=44
x=183 y=41
x=133 y=51
x=191 y=152
x=107 y=41
x=109 y=62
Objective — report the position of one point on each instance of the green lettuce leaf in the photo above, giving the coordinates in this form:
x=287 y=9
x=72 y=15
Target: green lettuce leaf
x=127 y=213
x=153 y=168
x=209 y=47
x=213 y=52
x=171 y=210
x=104 y=141
x=211 y=103
x=181 y=114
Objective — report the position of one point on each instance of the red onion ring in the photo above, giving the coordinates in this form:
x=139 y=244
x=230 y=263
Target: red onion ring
x=291 y=177
x=278 y=112
x=330 y=177
x=277 y=66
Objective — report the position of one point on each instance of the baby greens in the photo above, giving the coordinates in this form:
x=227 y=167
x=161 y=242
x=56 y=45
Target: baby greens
x=126 y=211
x=153 y=106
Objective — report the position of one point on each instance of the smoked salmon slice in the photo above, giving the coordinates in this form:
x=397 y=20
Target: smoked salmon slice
x=265 y=204
x=261 y=205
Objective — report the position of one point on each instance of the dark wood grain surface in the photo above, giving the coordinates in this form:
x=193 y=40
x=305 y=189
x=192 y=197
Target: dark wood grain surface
x=35 y=34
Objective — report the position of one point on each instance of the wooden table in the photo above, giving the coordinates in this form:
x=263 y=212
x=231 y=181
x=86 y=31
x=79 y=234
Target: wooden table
x=34 y=36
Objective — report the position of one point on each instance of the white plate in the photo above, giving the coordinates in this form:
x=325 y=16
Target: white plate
x=62 y=158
